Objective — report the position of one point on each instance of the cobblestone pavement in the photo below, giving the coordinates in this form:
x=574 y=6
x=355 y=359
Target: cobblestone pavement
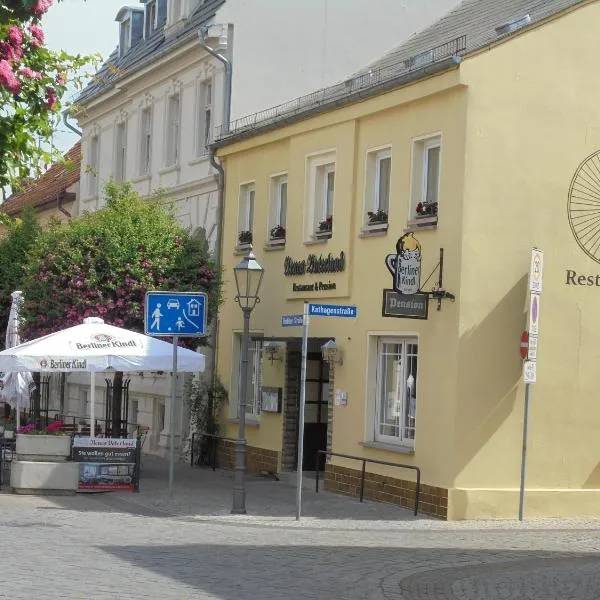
x=147 y=545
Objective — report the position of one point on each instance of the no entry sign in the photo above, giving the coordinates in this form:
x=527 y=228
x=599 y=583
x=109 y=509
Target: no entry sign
x=524 y=349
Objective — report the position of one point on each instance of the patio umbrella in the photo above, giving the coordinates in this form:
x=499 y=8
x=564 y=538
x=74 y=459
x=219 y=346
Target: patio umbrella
x=15 y=386
x=94 y=346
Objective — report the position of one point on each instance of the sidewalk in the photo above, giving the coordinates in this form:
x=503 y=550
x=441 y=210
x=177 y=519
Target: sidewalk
x=199 y=492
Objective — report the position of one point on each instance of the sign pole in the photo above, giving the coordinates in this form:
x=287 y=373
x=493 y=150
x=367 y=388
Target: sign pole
x=301 y=413
x=173 y=398
x=524 y=452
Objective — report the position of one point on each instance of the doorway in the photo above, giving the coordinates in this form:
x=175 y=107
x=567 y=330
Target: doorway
x=315 y=412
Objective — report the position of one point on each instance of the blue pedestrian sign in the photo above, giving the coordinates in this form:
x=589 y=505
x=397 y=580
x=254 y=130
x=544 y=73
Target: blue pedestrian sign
x=292 y=320
x=175 y=313
x=332 y=310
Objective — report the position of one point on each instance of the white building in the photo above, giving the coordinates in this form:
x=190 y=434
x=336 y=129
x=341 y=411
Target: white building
x=152 y=110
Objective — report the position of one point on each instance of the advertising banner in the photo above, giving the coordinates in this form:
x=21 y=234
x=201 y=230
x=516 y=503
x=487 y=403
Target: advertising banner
x=106 y=463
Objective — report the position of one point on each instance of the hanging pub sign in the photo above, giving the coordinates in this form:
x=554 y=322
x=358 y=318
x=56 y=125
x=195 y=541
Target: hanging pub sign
x=405 y=301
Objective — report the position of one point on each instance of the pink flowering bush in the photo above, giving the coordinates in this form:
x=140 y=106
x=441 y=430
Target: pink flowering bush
x=32 y=85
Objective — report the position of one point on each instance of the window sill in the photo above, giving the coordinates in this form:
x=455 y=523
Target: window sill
x=250 y=422
x=242 y=249
x=322 y=235
x=422 y=223
x=274 y=245
x=389 y=447
x=199 y=159
x=374 y=230
x=141 y=178
x=169 y=169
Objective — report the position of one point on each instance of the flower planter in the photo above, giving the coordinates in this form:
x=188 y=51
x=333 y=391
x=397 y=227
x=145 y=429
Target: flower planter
x=41 y=465
x=48 y=448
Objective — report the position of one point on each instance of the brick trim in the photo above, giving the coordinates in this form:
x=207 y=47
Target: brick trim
x=433 y=500
x=258 y=460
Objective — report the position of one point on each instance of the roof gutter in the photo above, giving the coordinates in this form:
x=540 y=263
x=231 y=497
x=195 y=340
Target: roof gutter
x=74 y=129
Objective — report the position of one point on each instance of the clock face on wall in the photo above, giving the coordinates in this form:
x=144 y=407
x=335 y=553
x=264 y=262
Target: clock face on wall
x=583 y=206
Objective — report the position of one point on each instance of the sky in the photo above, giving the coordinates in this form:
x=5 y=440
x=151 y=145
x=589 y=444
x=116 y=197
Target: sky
x=81 y=27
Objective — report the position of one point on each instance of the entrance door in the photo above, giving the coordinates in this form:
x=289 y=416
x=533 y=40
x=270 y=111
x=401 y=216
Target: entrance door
x=315 y=413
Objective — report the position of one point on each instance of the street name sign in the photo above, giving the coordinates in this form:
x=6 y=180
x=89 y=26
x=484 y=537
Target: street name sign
x=292 y=320
x=332 y=310
x=180 y=314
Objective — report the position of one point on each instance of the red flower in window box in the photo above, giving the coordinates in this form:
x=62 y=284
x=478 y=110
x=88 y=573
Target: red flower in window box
x=427 y=209
x=326 y=225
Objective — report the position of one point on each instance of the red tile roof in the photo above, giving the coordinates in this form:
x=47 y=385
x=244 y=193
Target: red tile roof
x=58 y=178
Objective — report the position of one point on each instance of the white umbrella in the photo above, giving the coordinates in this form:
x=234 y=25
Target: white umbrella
x=95 y=346
x=15 y=386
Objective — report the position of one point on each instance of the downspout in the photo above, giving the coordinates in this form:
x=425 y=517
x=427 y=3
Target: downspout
x=64 y=211
x=220 y=179
x=66 y=122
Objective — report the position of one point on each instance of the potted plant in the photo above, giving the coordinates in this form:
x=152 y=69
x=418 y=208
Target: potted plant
x=427 y=209
x=378 y=217
x=325 y=227
x=245 y=238
x=277 y=232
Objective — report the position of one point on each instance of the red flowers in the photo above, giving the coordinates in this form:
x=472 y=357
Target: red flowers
x=37 y=35
x=8 y=79
x=51 y=98
x=42 y=6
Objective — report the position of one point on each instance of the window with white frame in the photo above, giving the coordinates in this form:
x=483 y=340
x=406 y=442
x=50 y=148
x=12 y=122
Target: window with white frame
x=125 y=36
x=254 y=378
x=205 y=117
x=173 y=130
x=174 y=7
x=146 y=140
x=396 y=390
x=377 y=186
x=120 y=151
x=150 y=18
x=324 y=192
x=278 y=208
x=246 y=213
x=93 y=165
x=426 y=177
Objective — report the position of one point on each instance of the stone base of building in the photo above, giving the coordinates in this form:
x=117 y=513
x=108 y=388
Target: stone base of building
x=433 y=500
x=485 y=503
x=258 y=460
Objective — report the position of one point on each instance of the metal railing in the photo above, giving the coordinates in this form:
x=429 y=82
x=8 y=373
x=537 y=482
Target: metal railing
x=356 y=85
x=363 y=471
x=212 y=452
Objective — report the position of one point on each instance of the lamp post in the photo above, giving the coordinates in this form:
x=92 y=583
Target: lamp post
x=248 y=277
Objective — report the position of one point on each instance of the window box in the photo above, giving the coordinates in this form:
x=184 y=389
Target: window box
x=377 y=221
x=244 y=238
x=277 y=234
x=325 y=228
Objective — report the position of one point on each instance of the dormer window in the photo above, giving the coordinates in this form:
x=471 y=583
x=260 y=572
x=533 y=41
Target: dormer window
x=131 y=25
x=174 y=11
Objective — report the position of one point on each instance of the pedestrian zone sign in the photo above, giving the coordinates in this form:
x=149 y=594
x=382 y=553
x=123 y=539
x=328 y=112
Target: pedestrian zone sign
x=175 y=313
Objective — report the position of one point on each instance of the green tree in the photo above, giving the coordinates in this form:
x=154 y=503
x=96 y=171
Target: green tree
x=20 y=236
x=103 y=263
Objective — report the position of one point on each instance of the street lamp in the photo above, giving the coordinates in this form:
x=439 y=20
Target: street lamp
x=248 y=277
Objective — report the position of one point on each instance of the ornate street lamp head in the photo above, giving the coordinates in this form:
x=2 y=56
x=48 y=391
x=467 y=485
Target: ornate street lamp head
x=248 y=277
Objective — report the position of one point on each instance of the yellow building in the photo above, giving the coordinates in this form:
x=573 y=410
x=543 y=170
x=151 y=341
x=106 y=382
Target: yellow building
x=480 y=139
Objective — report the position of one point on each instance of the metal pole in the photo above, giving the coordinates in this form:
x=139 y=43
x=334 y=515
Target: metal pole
x=173 y=398
x=524 y=453
x=92 y=403
x=301 y=413
x=239 y=483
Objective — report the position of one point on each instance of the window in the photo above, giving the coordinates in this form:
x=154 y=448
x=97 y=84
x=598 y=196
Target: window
x=324 y=198
x=146 y=141
x=120 y=152
x=93 y=166
x=174 y=130
x=174 y=10
x=396 y=390
x=204 y=133
x=254 y=378
x=278 y=212
x=246 y=213
x=426 y=178
x=125 y=40
x=377 y=188
x=150 y=24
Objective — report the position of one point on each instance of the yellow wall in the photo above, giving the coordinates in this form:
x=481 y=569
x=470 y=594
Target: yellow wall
x=533 y=117
x=394 y=119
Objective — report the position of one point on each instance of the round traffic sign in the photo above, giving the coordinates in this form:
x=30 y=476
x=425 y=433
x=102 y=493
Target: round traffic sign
x=524 y=349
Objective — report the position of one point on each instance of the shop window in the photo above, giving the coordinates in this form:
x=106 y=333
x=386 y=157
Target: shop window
x=396 y=390
x=426 y=179
x=278 y=209
x=246 y=214
x=377 y=188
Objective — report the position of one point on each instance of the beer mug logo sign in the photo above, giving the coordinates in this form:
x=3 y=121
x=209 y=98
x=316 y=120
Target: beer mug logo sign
x=405 y=265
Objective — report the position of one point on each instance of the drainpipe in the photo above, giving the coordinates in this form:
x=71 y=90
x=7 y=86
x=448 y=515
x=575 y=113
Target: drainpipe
x=59 y=205
x=220 y=176
x=66 y=122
